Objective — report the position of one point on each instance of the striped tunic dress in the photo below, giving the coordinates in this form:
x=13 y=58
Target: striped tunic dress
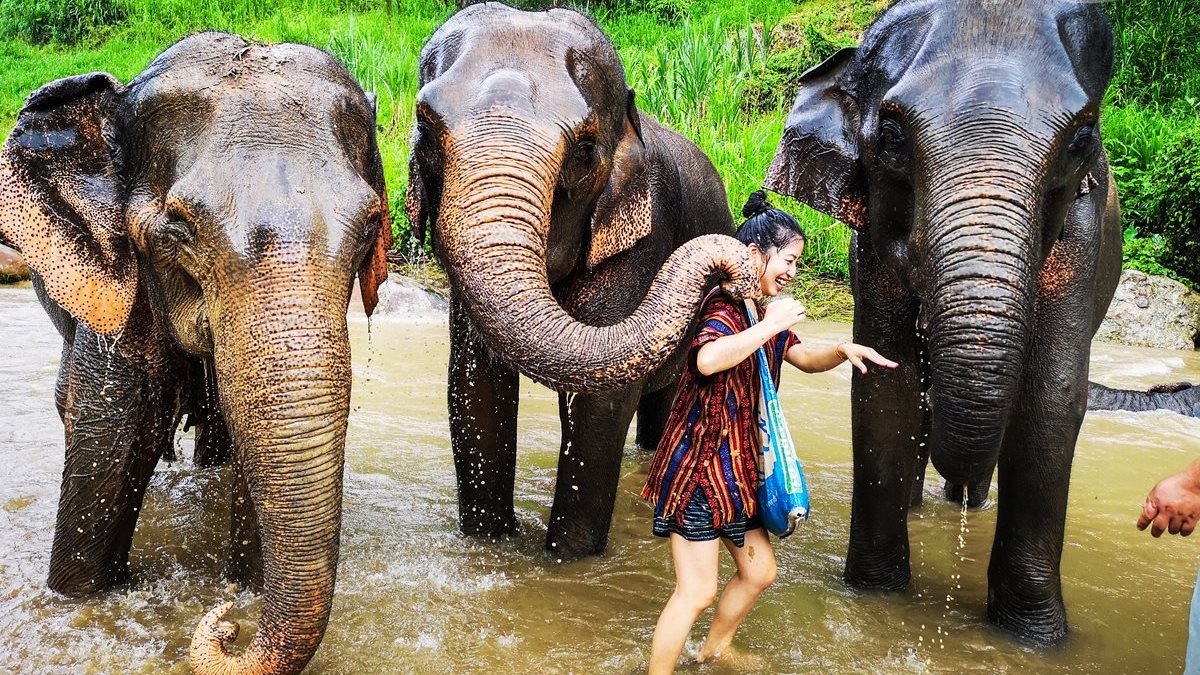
x=710 y=444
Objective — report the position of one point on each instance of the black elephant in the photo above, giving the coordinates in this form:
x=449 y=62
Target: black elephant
x=961 y=141
x=573 y=229
x=1180 y=397
x=200 y=229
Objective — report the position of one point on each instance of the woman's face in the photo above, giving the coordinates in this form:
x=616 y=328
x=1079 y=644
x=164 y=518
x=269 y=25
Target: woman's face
x=779 y=266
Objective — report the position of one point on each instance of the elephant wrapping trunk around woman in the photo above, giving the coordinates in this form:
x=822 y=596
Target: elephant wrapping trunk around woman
x=961 y=141
x=579 y=236
x=202 y=226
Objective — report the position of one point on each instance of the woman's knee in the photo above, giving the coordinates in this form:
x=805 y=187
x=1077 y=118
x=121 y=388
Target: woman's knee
x=760 y=574
x=699 y=595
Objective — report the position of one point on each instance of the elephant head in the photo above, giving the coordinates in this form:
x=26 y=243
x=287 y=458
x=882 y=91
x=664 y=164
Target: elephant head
x=240 y=188
x=955 y=144
x=529 y=159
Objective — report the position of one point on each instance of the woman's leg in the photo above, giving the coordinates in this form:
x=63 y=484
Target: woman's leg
x=695 y=589
x=755 y=573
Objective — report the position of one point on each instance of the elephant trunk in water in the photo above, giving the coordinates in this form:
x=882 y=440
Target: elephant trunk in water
x=501 y=172
x=979 y=248
x=283 y=374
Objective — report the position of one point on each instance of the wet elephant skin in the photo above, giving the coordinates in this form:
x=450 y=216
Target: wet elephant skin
x=1180 y=397
x=579 y=236
x=961 y=141
x=195 y=235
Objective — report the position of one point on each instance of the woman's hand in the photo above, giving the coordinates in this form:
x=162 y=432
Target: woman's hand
x=783 y=313
x=858 y=356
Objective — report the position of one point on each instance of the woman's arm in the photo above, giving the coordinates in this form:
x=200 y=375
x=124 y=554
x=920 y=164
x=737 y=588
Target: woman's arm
x=820 y=359
x=726 y=352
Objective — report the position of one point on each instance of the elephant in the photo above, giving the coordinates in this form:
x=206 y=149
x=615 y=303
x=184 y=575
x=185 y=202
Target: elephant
x=1180 y=397
x=195 y=235
x=961 y=142
x=579 y=237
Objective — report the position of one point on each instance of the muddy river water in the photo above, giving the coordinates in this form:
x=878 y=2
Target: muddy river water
x=415 y=596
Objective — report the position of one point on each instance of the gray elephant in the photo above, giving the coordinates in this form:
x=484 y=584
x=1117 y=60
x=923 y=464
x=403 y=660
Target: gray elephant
x=200 y=228
x=579 y=236
x=961 y=141
x=1179 y=397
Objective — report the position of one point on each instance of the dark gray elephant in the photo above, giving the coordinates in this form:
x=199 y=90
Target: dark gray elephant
x=579 y=236
x=203 y=225
x=961 y=141
x=1180 y=397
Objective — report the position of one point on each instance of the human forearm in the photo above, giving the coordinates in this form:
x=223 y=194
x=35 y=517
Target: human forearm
x=726 y=352
x=815 y=359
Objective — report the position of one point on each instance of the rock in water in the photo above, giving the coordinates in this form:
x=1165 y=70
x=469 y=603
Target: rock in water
x=408 y=298
x=1150 y=311
x=12 y=266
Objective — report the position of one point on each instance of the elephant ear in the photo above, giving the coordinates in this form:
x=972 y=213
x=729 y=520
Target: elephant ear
x=61 y=201
x=374 y=271
x=817 y=159
x=623 y=212
x=416 y=201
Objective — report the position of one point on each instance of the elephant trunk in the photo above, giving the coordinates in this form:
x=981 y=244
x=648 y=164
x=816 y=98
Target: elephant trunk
x=980 y=248
x=283 y=376
x=500 y=175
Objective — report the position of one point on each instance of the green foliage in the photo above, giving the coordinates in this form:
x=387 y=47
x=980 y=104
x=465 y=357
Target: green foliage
x=1145 y=254
x=1176 y=203
x=670 y=10
x=773 y=87
x=59 y=21
x=721 y=73
x=1157 y=59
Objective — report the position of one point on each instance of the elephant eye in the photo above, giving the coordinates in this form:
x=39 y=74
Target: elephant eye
x=176 y=232
x=584 y=152
x=1084 y=137
x=893 y=145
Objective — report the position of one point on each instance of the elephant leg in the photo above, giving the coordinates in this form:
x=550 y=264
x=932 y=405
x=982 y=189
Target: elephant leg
x=652 y=413
x=245 y=564
x=594 y=427
x=887 y=412
x=117 y=418
x=1024 y=584
x=483 y=431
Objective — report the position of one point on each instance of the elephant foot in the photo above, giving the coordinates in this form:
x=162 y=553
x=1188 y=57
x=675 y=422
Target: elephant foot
x=977 y=494
x=565 y=543
x=484 y=522
x=1042 y=622
x=877 y=573
x=79 y=582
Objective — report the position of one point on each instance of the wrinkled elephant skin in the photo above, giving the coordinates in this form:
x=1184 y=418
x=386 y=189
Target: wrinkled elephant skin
x=579 y=236
x=194 y=236
x=961 y=140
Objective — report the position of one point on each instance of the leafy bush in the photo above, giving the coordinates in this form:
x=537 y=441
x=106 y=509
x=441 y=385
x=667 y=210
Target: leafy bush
x=1145 y=254
x=59 y=21
x=1175 y=196
x=1157 y=57
x=773 y=87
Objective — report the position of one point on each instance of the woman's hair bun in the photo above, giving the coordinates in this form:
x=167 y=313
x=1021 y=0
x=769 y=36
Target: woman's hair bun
x=756 y=204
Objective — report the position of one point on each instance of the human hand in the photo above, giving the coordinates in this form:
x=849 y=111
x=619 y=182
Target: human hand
x=1173 y=505
x=858 y=355
x=783 y=312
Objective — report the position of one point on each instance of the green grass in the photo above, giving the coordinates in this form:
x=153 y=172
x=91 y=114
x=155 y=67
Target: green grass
x=723 y=76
